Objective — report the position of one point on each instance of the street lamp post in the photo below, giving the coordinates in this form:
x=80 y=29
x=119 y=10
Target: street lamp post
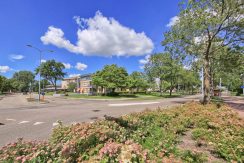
x=40 y=62
x=242 y=75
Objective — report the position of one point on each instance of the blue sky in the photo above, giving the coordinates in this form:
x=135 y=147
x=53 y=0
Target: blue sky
x=84 y=34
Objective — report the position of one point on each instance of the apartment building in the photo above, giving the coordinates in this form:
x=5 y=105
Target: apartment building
x=84 y=84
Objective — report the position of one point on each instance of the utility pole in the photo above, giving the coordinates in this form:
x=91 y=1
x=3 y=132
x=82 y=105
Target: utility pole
x=40 y=62
x=242 y=75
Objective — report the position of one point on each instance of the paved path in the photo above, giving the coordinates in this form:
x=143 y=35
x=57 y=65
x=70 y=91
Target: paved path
x=236 y=103
x=31 y=120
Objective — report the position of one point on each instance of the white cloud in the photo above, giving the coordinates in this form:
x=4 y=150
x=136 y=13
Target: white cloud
x=43 y=60
x=101 y=36
x=4 y=69
x=74 y=75
x=16 y=57
x=80 y=66
x=67 y=65
x=79 y=21
x=173 y=21
x=144 y=61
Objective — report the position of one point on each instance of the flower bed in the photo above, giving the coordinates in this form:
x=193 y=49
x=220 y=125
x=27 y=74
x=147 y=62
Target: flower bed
x=149 y=136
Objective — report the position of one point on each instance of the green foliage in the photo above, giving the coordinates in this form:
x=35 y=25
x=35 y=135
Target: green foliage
x=204 y=28
x=136 y=80
x=110 y=77
x=5 y=84
x=193 y=157
x=169 y=70
x=51 y=71
x=21 y=80
x=140 y=137
x=72 y=87
x=164 y=67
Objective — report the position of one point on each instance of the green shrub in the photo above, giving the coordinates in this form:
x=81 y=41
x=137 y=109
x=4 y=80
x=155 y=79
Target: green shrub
x=139 y=137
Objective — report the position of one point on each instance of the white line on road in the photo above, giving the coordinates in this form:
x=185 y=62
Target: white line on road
x=38 y=123
x=129 y=104
x=9 y=119
x=24 y=122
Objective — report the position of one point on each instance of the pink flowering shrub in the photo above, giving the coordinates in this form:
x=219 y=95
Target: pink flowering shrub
x=123 y=152
x=148 y=136
x=110 y=149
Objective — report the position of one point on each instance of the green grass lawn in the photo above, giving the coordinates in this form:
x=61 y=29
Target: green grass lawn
x=191 y=133
x=125 y=96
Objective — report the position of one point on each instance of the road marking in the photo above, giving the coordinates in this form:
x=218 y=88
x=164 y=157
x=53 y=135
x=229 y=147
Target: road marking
x=130 y=104
x=38 y=123
x=24 y=122
x=9 y=119
x=55 y=123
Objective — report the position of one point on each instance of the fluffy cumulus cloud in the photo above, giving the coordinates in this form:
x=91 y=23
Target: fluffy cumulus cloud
x=80 y=66
x=173 y=21
x=101 y=36
x=67 y=65
x=16 y=57
x=4 y=69
x=74 y=75
x=144 y=61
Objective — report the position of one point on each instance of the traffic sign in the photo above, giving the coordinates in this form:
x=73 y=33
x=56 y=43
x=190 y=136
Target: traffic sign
x=242 y=86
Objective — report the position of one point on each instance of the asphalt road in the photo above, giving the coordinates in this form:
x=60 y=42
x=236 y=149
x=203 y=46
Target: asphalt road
x=237 y=103
x=32 y=120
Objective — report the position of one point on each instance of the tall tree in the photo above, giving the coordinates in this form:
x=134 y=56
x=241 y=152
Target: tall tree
x=22 y=79
x=111 y=77
x=136 y=80
x=72 y=86
x=203 y=28
x=2 y=83
x=164 y=67
x=51 y=71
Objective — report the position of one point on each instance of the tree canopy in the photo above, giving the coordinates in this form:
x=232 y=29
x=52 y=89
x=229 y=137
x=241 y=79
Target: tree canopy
x=21 y=80
x=111 y=77
x=137 y=80
x=203 y=28
x=51 y=71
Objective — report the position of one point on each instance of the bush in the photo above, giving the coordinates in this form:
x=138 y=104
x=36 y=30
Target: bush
x=149 y=136
x=239 y=91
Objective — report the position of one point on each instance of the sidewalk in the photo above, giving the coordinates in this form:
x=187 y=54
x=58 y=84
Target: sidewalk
x=235 y=102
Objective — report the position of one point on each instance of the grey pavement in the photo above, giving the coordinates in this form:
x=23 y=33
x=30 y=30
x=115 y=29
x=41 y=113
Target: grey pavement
x=32 y=120
x=237 y=103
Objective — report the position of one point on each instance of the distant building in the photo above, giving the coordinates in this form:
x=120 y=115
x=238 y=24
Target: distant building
x=83 y=82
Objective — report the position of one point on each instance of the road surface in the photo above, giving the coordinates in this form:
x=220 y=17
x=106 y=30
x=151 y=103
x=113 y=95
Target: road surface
x=31 y=120
x=236 y=103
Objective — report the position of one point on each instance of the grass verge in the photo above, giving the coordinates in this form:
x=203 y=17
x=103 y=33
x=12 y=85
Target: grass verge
x=149 y=136
x=136 y=96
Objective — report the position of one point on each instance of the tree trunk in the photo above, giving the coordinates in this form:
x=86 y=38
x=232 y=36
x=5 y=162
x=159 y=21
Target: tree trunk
x=113 y=90
x=170 y=91
x=55 y=86
x=206 y=81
